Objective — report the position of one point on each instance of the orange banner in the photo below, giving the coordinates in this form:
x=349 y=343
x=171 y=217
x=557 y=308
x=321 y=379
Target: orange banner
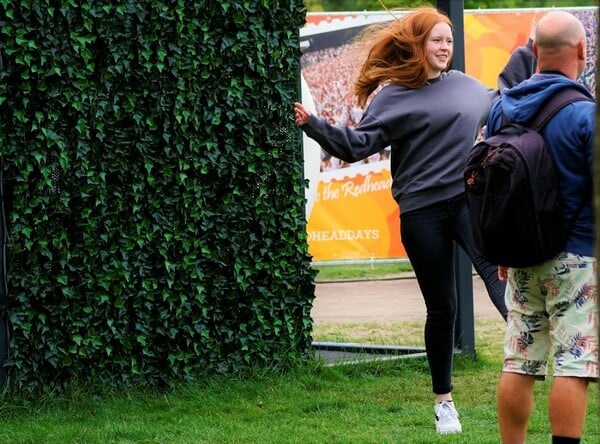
x=352 y=214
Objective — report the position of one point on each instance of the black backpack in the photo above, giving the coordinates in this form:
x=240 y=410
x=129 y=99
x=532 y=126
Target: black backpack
x=513 y=192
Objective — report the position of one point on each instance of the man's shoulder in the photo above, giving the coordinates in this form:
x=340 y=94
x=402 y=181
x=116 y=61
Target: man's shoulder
x=582 y=106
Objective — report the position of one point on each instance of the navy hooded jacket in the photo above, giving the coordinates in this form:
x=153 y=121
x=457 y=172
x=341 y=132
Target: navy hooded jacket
x=570 y=137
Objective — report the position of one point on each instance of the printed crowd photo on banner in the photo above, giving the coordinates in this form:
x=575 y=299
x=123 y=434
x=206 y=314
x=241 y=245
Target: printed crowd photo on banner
x=351 y=214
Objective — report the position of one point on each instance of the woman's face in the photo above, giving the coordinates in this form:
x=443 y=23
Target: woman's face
x=438 y=49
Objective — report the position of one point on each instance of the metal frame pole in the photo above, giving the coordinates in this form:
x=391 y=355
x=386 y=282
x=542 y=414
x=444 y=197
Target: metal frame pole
x=465 y=322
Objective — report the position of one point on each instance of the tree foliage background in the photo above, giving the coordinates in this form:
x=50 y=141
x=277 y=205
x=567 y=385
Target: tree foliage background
x=377 y=5
x=153 y=190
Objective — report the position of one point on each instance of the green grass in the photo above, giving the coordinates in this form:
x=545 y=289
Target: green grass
x=375 y=402
x=366 y=271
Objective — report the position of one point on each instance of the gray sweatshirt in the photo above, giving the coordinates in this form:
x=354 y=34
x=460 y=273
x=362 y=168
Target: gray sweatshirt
x=430 y=130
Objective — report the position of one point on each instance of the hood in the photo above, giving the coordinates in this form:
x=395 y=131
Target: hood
x=522 y=102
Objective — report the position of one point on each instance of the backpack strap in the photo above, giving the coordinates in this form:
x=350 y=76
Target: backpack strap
x=554 y=104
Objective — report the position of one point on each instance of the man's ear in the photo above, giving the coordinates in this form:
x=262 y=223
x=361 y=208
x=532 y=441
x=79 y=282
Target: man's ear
x=534 y=48
x=581 y=50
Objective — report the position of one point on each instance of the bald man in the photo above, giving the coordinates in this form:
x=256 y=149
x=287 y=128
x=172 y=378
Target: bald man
x=552 y=310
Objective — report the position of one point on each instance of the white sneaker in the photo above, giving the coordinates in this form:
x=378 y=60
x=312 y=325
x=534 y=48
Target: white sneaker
x=446 y=418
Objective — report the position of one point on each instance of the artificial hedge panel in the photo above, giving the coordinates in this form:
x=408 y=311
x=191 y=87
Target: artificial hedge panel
x=154 y=190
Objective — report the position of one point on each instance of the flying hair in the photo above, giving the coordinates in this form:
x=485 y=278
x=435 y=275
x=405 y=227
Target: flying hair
x=395 y=51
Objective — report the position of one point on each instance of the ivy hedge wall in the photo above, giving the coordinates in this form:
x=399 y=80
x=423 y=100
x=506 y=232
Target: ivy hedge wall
x=154 y=190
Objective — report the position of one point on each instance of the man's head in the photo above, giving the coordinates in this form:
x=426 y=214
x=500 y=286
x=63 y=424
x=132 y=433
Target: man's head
x=560 y=44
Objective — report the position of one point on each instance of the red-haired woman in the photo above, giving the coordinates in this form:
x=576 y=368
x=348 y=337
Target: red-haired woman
x=430 y=117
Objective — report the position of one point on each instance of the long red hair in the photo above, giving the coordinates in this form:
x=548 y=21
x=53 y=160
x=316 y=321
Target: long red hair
x=396 y=52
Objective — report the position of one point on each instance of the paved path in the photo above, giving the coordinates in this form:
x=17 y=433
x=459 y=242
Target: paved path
x=384 y=301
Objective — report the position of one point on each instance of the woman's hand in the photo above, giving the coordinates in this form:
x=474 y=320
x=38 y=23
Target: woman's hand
x=301 y=114
x=502 y=273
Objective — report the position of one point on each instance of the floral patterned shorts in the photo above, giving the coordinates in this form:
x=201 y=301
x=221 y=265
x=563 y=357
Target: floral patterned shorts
x=552 y=308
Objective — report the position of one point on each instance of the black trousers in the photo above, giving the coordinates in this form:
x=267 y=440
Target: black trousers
x=428 y=235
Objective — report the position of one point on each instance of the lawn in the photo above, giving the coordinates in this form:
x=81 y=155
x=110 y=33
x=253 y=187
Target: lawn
x=368 y=402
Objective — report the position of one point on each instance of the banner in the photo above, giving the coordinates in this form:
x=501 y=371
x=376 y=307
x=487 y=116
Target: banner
x=352 y=214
